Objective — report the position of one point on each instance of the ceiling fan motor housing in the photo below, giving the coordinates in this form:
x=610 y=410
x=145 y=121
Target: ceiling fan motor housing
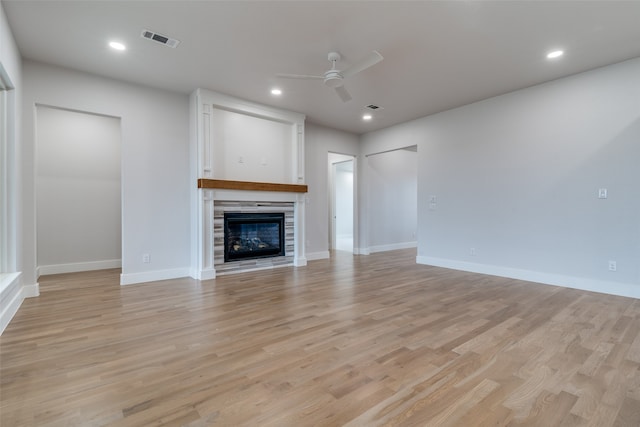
x=333 y=78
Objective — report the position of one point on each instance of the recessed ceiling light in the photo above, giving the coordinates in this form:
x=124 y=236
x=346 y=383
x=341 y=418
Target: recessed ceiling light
x=555 y=54
x=276 y=92
x=117 y=46
x=367 y=117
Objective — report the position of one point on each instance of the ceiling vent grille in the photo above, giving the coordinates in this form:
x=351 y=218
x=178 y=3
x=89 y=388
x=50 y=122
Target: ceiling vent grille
x=159 y=38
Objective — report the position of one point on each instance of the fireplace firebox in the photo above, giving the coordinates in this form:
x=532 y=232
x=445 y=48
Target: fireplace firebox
x=253 y=235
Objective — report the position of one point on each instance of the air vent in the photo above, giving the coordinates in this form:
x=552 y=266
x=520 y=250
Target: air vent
x=159 y=38
x=372 y=107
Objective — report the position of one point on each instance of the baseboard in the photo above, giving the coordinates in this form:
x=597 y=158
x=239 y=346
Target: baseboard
x=153 y=276
x=393 y=247
x=10 y=298
x=30 y=291
x=601 y=286
x=12 y=294
x=317 y=255
x=78 y=266
x=207 y=274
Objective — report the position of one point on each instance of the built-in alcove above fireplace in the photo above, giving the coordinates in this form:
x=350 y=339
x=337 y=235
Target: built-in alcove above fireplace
x=249 y=159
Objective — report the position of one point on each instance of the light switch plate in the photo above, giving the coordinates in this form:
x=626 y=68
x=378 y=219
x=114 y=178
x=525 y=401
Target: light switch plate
x=602 y=193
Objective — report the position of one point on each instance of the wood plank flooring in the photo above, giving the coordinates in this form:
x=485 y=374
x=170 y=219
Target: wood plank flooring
x=353 y=341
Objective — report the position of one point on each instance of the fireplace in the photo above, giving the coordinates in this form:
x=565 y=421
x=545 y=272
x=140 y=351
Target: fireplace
x=253 y=235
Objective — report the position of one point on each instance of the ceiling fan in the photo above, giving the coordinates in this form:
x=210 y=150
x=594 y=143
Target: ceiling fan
x=334 y=77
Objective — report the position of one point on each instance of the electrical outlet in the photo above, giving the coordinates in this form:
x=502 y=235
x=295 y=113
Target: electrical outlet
x=472 y=251
x=613 y=266
x=433 y=203
x=146 y=258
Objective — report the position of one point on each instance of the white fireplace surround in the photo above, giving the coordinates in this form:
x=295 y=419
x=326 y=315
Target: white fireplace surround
x=236 y=140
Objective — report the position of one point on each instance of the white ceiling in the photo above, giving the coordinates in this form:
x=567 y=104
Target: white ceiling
x=438 y=55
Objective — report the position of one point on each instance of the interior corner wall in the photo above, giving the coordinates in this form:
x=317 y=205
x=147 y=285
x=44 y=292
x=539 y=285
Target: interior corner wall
x=155 y=166
x=516 y=181
x=319 y=142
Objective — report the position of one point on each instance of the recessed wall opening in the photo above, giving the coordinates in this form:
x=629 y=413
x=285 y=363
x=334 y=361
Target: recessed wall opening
x=392 y=199
x=78 y=191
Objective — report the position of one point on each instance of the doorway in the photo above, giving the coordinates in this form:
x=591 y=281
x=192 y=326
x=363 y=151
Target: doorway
x=78 y=191
x=341 y=202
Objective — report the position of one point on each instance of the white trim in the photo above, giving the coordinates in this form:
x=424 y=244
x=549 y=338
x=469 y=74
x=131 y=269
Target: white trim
x=6 y=280
x=78 y=266
x=392 y=247
x=361 y=251
x=206 y=274
x=10 y=298
x=318 y=255
x=153 y=276
x=12 y=294
x=30 y=291
x=602 y=286
x=10 y=308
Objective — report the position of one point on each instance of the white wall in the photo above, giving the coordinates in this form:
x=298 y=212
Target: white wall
x=78 y=191
x=155 y=166
x=516 y=177
x=319 y=142
x=393 y=200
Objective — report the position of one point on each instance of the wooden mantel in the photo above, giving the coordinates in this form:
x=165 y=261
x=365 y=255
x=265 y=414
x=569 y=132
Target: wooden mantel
x=224 y=184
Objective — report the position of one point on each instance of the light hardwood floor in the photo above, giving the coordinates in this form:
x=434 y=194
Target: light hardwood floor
x=355 y=340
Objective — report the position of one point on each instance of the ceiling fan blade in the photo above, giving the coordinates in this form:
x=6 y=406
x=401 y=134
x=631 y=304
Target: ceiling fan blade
x=368 y=61
x=343 y=94
x=299 y=76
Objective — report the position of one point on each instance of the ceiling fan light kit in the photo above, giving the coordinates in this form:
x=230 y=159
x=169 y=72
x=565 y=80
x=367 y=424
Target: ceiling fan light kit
x=334 y=78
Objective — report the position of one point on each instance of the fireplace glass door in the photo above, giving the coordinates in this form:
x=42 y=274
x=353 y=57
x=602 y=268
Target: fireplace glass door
x=253 y=235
